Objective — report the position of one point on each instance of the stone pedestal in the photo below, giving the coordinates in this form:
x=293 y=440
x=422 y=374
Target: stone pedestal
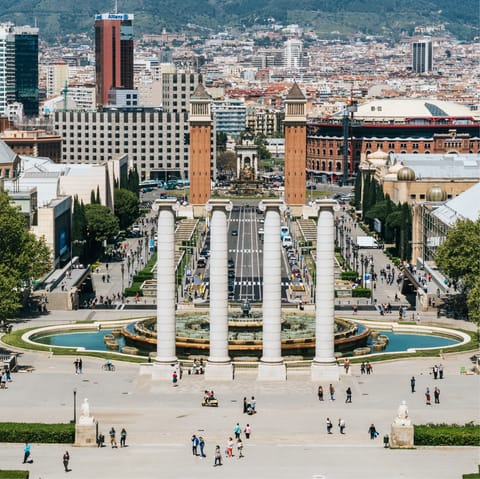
x=162 y=371
x=216 y=371
x=401 y=437
x=272 y=371
x=86 y=435
x=324 y=371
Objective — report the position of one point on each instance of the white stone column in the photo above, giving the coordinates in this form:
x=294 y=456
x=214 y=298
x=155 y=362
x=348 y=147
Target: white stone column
x=324 y=365
x=219 y=365
x=166 y=360
x=272 y=367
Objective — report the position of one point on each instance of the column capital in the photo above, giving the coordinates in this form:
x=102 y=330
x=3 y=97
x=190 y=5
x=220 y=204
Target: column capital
x=225 y=205
x=166 y=204
x=326 y=204
x=272 y=204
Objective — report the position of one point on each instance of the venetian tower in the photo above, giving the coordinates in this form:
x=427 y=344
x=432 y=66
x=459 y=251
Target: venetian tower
x=200 y=149
x=295 y=149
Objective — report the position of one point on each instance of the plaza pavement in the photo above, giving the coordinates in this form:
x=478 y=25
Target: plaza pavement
x=289 y=438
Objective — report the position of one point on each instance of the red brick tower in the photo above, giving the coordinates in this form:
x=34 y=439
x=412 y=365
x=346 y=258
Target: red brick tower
x=295 y=149
x=200 y=149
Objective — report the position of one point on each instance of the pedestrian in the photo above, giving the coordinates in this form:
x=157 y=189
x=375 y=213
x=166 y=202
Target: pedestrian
x=3 y=380
x=372 y=431
x=26 y=453
x=237 y=431
x=80 y=366
x=436 y=395
x=427 y=397
x=66 y=458
x=349 y=395
x=435 y=372
x=329 y=426
x=362 y=368
x=113 y=439
x=218 y=456
x=412 y=384
x=230 y=447
x=386 y=441
x=346 y=365
x=341 y=426
x=331 y=390
x=103 y=278
x=369 y=368
x=240 y=448
x=195 y=443
x=440 y=371
x=123 y=437
x=247 y=431
x=76 y=365
x=201 y=443
x=174 y=378
x=320 y=393
x=253 y=405
x=245 y=405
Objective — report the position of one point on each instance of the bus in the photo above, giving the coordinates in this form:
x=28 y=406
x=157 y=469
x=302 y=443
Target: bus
x=181 y=184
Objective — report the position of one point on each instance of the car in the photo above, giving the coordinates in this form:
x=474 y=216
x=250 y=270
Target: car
x=311 y=187
x=231 y=273
x=231 y=264
x=234 y=233
x=261 y=231
x=202 y=262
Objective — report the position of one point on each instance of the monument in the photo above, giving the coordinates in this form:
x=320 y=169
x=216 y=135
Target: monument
x=401 y=436
x=86 y=427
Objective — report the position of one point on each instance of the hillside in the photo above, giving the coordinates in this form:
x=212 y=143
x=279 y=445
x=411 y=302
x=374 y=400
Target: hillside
x=324 y=16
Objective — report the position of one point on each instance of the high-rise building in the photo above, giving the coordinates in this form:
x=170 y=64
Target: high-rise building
x=26 y=69
x=113 y=54
x=57 y=76
x=422 y=52
x=7 y=66
x=293 y=54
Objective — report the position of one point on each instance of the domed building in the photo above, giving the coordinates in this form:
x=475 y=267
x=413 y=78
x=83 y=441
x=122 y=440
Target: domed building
x=391 y=126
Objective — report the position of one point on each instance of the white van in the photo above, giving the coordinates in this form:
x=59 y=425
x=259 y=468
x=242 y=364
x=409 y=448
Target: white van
x=287 y=241
x=284 y=231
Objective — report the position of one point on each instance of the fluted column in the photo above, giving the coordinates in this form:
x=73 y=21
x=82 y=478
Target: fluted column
x=219 y=365
x=272 y=367
x=324 y=365
x=166 y=360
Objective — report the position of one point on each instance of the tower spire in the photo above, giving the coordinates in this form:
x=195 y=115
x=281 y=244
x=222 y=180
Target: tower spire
x=116 y=7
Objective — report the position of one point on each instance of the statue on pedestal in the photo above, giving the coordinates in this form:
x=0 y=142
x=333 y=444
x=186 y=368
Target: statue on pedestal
x=85 y=417
x=402 y=415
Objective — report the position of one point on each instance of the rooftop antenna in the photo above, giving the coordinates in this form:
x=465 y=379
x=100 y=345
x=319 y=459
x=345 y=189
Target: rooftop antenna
x=116 y=7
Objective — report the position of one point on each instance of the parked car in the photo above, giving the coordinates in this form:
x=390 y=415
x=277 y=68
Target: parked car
x=202 y=262
x=231 y=273
x=234 y=233
x=231 y=264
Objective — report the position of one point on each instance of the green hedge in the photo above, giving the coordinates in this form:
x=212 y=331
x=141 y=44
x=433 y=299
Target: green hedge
x=4 y=474
x=361 y=293
x=133 y=290
x=142 y=276
x=37 y=432
x=349 y=275
x=447 y=435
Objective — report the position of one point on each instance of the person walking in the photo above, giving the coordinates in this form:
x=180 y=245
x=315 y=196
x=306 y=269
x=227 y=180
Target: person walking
x=240 y=448
x=66 y=459
x=349 y=395
x=440 y=371
x=76 y=365
x=174 y=378
x=412 y=384
x=247 y=431
x=230 y=447
x=245 y=405
x=372 y=431
x=113 y=439
x=123 y=437
x=237 y=431
x=331 y=390
x=195 y=443
x=80 y=366
x=26 y=452
x=427 y=397
x=201 y=443
x=341 y=425
x=218 y=456
x=436 y=395
x=329 y=426
x=320 y=393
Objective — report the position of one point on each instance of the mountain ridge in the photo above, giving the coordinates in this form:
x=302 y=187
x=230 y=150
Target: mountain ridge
x=388 y=17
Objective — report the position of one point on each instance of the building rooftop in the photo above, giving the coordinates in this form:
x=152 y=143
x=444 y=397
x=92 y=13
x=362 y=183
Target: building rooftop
x=295 y=93
x=464 y=206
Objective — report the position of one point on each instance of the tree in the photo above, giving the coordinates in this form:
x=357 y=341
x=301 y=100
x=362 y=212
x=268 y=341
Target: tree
x=222 y=138
x=102 y=224
x=126 y=207
x=23 y=257
x=458 y=258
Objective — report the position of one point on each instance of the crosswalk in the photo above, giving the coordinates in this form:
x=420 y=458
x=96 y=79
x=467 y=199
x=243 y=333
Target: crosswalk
x=252 y=283
x=249 y=251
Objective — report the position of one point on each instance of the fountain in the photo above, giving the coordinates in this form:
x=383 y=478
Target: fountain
x=245 y=334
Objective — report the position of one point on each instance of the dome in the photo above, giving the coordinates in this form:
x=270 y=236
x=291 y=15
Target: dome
x=436 y=193
x=406 y=174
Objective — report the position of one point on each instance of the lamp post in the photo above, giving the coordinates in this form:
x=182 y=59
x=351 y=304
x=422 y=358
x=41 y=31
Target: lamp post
x=74 y=421
x=122 y=269
x=372 y=271
x=363 y=276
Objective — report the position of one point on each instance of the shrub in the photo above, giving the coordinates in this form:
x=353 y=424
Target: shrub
x=349 y=275
x=4 y=474
x=37 y=432
x=133 y=290
x=361 y=293
x=447 y=435
x=142 y=276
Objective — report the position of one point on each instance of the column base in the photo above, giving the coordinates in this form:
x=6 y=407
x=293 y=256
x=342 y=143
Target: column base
x=272 y=371
x=218 y=371
x=86 y=435
x=325 y=371
x=163 y=370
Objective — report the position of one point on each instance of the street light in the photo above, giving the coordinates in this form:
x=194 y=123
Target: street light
x=122 y=269
x=366 y=270
x=363 y=277
x=74 y=421
x=372 y=271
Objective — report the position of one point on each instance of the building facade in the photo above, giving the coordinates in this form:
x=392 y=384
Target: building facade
x=7 y=66
x=422 y=56
x=114 y=54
